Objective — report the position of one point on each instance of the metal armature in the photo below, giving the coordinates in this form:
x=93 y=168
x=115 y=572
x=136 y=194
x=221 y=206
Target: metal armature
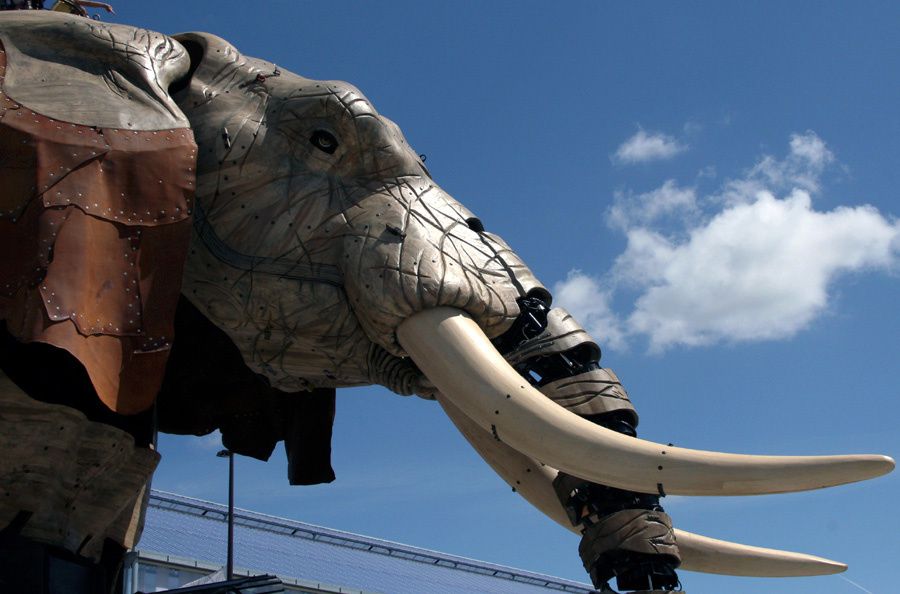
x=624 y=534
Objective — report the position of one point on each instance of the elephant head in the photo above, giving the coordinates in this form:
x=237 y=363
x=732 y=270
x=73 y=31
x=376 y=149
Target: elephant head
x=323 y=250
x=319 y=230
x=326 y=251
x=320 y=237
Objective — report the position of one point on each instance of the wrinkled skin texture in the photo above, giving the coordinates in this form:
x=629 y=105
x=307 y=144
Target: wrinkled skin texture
x=308 y=257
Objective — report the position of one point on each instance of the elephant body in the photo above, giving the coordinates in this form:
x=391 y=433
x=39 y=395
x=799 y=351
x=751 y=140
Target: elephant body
x=203 y=231
x=143 y=167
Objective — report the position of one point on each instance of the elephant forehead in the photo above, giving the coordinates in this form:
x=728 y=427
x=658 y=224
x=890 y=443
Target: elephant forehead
x=351 y=99
x=341 y=107
x=299 y=91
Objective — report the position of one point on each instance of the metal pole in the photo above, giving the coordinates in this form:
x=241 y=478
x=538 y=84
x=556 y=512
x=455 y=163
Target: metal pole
x=229 y=567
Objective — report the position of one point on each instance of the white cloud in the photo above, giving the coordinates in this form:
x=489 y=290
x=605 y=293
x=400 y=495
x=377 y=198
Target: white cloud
x=584 y=298
x=648 y=146
x=759 y=267
x=756 y=271
x=802 y=168
x=210 y=441
x=629 y=210
x=810 y=148
x=708 y=172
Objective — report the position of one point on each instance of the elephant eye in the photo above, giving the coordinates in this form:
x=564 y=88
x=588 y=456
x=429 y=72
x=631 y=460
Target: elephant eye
x=324 y=141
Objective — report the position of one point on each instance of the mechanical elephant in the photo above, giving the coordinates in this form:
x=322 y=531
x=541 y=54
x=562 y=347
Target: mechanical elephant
x=200 y=240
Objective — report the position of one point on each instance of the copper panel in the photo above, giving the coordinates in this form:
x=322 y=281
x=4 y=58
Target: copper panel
x=17 y=183
x=22 y=249
x=160 y=260
x=94 y=229
x=143 y=178
x=93 y=279
x=126 y=381
x=146 y=182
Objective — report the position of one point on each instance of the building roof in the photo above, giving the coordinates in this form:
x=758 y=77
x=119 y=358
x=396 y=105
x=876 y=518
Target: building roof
x=187 y=528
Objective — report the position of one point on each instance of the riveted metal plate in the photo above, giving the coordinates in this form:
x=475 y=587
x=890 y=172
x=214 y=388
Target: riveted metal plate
x=97 y=221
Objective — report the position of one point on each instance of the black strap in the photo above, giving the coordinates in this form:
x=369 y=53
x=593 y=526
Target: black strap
x=15 y=527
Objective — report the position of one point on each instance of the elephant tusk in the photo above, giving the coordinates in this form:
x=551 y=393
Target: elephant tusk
x=533 y=481
x=710 y=555
x=455 y=355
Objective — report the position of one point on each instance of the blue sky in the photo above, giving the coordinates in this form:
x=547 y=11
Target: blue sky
x=711 y=187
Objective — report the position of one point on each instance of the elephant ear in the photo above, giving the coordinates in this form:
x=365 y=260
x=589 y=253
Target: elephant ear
x=225 y=96
x=98 y=170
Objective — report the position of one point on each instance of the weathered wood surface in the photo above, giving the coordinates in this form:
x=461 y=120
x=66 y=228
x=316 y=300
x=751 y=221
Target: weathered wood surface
x=81 y=481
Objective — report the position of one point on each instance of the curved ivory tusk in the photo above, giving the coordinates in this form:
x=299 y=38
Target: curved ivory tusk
x=533 y=481
x=453 y=352
x=710 y=555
